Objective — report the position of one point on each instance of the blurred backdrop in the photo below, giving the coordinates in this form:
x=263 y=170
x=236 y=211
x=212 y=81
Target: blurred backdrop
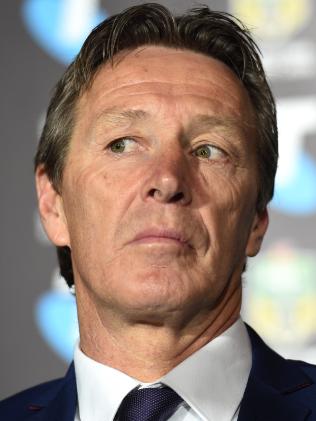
x=37 y=312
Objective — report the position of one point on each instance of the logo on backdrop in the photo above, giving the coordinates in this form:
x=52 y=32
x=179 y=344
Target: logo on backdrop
x=61 y=26
x=281 y=296
x=273 y=20
x=296 y=176
x=56 y=318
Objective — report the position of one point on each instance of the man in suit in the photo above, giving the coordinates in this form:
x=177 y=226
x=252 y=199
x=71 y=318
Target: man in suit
x=153 y=172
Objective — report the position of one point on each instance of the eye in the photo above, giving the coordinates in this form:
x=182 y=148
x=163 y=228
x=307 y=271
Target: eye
x=209 y=152
x=124 y=144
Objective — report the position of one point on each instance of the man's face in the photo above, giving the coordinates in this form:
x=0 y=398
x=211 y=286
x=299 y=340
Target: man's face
x=160 y=183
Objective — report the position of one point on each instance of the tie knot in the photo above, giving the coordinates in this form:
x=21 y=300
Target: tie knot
x=148 y=404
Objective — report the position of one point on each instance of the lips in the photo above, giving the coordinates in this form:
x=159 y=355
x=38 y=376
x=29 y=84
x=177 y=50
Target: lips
x=161 y=235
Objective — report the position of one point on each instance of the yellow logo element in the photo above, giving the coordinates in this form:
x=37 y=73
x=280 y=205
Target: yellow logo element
x=272 y=20
x=280 y=298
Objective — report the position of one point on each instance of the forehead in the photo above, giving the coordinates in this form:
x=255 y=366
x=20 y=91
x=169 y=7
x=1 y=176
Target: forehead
x=180 y=81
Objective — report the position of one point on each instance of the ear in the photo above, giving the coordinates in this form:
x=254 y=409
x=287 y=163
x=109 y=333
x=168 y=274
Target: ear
x=51 y=209
x=258 y=230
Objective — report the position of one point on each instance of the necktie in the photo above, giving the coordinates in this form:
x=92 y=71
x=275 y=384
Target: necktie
x=148 y=404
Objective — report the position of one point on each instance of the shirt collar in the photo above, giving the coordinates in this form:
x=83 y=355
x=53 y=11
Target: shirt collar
x=212 y=380
x=100 y=388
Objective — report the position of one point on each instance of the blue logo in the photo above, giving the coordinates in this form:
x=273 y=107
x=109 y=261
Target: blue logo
x=297 y=195
x=56 y=317
x=296 y=175
x=61 y=26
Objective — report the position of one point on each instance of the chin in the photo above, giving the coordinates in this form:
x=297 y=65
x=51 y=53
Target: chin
x=157 y=297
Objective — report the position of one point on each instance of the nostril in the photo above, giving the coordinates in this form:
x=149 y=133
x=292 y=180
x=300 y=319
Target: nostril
x=176 y=197
x=166 y=196
x=154 y=193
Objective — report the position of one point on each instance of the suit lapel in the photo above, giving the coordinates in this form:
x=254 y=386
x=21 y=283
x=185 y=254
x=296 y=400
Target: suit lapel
x=270 y=394
x=263 y=403
x=61 y=406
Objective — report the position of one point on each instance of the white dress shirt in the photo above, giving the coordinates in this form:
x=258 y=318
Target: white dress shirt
x=211 y=381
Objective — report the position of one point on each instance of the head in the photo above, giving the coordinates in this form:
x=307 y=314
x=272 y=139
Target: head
x=144 y=33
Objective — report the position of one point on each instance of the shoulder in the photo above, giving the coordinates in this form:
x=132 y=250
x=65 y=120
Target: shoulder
x=268 y=364
x=18 y=406
x=278 y=388
x=310 y=372
x=309 y=369
x=54 y=400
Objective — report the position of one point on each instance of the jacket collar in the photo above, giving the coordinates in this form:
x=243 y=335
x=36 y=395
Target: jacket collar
x=271 y=390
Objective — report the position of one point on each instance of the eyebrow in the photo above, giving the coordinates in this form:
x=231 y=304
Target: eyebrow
x=115 y=116
x=203 y=122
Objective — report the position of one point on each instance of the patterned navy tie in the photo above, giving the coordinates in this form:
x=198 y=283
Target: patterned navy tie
x=148 y=404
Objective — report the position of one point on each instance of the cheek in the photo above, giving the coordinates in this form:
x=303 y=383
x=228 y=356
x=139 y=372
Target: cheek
x=228 y=214
x=96 y=200
x=84 y=198
x=89 y=213
x=228 y=190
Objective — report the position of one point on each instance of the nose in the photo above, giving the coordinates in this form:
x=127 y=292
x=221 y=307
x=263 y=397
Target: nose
x=168 y=181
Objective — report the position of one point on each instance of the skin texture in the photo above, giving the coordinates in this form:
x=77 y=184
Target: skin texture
x=161 y=221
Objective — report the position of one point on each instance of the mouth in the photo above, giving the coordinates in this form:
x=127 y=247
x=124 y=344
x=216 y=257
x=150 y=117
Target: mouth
x=161 y=236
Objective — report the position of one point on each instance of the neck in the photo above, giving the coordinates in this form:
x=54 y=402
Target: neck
x=147 y=349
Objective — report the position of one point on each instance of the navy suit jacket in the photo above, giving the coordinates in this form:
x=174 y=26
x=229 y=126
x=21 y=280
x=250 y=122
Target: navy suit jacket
x=277 y=390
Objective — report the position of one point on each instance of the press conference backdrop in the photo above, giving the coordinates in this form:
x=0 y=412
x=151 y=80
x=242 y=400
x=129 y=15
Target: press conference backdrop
x=38 y=314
